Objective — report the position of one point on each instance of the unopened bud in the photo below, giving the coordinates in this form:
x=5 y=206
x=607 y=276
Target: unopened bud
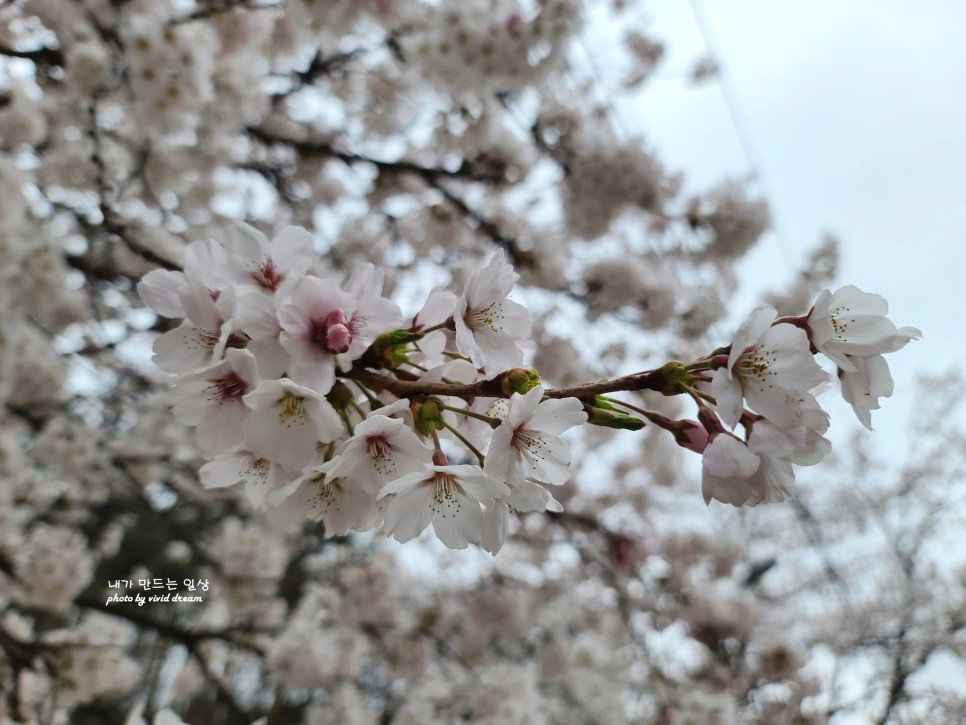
x=340 y=396
x=519 y=380
x=427 y=416
x=391 y=349
x=613 y=419
x=676 y=378
x=691 y=435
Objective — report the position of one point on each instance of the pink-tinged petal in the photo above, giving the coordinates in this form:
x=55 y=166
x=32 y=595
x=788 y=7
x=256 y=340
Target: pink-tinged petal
x=514 y=319
x=727 y=457
x=840 y=359
x=459 y=523
x=861 y=334
x=208 y=262
x=496 y=351
x=372 y=318
x=271 y=357
x=341 y=504
x=496 y=527
x=530 y=496
x=221 y=427
x=407 y=516
x=225 y=470
x=903 y=336
x=493 y=282
x=189 y=402
x=200 y=307
x=482 y=487
x=406 y=484
x=728 y=397
x=776 y=404
x=555 y=416
x=815 y=450
x=365 y=282
x=768 y=439
x=550 y=460
x=161 y=290
x=292 y=251
x=750 y=331
x=245 y=244
x=794 y=365
x=309 y=365
x=779 y=477
x=859 y=302
x=499 y=463
x=523 y=407
x=257 y=317
x=819 y=327
x=439 y=307
x=266 y=478
x=184 y=349
x=863 y=388
x=287 y=423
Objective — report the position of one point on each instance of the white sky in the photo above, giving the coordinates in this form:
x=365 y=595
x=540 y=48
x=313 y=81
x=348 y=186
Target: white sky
x=857 y=116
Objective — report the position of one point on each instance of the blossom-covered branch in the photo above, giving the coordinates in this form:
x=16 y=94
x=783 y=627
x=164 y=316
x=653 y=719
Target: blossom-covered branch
x=269 y=359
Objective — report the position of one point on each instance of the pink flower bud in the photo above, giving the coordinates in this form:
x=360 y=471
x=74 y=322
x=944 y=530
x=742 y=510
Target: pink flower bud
x=689 y=434
x=336 y=317
x=337 y=338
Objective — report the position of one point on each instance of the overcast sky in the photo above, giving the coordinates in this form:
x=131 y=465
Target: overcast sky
x=856 y=113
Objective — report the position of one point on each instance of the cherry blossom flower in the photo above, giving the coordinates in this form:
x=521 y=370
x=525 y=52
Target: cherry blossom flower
x=769 y=366
x=850 y=322
x=162 y=289
x=315 y=328
x=287 y=423
x=524 y=497
x=256 y=262
x=440 y=304
x=260 y=475
x=438 y=308
x=208 y=330
x=868 y=378
x=381 y=450
x=802 y=442
x=527 y=443
x=326 y=327
x=212 y=400
x=449 y=497
x=487 y=323
x=257 y=317
x=340 y=502
x=735 y=473
x=373 y=313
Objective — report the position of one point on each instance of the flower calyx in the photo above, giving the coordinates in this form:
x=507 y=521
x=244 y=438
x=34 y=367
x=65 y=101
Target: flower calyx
x=389 y=350
x=676 y=378
x=519 y=380
x=427 y=416
x=606 y=415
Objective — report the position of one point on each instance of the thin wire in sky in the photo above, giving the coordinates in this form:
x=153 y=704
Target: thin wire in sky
x=738 y=119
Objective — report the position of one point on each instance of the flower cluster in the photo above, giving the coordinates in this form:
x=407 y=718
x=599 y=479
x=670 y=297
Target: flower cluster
x=324 y=402
x=268 y=358
x=770 y=368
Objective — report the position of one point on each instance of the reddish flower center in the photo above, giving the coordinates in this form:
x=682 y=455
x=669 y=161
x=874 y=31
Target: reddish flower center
x=268 y=275
x=333 y=333
x=230 y=387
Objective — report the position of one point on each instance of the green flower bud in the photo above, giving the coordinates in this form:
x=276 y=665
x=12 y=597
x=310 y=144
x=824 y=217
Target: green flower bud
x=613 y=418
x=427 y=416
x=519 y=380
x=677 y=378
x=390 y=350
